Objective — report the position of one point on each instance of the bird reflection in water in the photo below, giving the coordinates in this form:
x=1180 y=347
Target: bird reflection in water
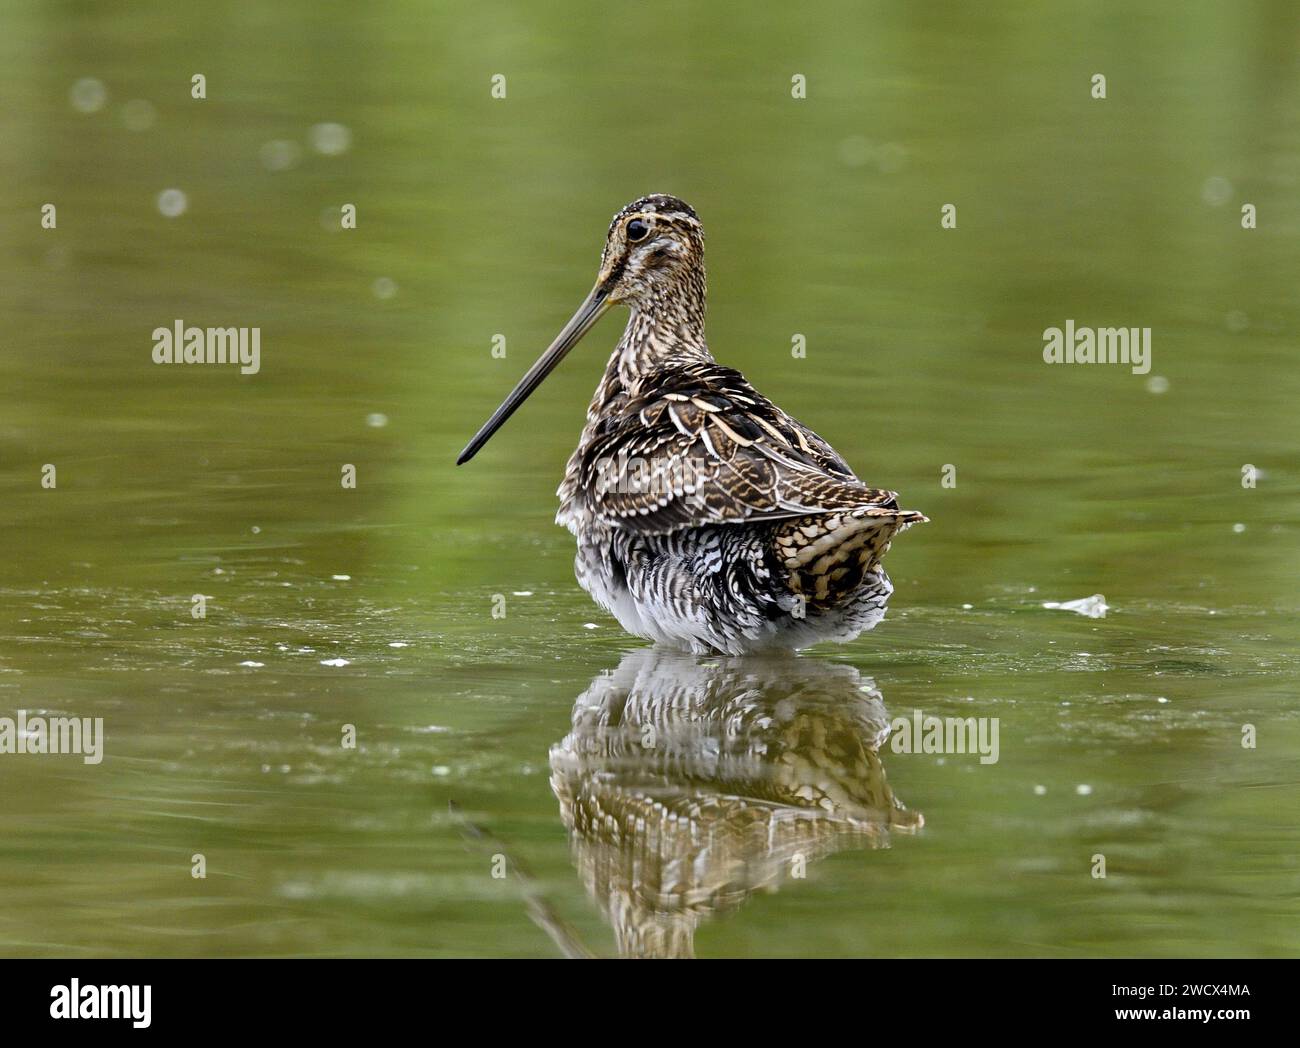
x=687 y=783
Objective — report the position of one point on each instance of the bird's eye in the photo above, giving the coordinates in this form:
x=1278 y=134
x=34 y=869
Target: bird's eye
x=637 y=230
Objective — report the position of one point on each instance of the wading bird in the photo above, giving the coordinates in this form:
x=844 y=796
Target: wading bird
x=706 y=517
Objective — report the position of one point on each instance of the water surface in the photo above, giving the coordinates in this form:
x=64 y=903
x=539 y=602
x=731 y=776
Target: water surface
x=481 y=737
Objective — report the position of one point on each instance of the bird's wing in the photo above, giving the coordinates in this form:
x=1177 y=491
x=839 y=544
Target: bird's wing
x=703 y=447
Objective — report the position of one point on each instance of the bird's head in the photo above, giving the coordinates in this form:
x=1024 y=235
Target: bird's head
x=654 y=249
x=653 y=261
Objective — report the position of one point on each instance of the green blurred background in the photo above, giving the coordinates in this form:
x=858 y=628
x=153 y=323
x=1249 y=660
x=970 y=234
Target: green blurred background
x=480 y=217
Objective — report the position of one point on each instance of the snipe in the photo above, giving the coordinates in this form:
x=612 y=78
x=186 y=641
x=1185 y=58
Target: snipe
x=706 y=517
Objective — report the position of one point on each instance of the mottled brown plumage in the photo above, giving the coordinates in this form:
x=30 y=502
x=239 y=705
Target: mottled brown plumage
x=706 y=517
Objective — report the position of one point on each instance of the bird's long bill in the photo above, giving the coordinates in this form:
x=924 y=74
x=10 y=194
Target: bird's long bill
x=591 y=310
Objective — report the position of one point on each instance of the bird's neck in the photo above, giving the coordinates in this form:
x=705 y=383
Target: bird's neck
x=663 y=329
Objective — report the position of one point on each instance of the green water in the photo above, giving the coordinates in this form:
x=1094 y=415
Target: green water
x=1119 y=736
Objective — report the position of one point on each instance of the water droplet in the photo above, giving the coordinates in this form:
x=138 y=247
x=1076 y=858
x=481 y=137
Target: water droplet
x=891 y=158
x=172 y=202
x=1216 y=190
x=279 y=154
x=377 y=420
x=1083 y=789
x=253 y=665
x=334 y=662
x=88 y=95
x=384 y=287
x=341 y=578
x=330 y=139
x=1040 y=791
x=1157 y=384
x=856 y=151
x=138 y=115
x=1239 y=528
x=331 y=220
